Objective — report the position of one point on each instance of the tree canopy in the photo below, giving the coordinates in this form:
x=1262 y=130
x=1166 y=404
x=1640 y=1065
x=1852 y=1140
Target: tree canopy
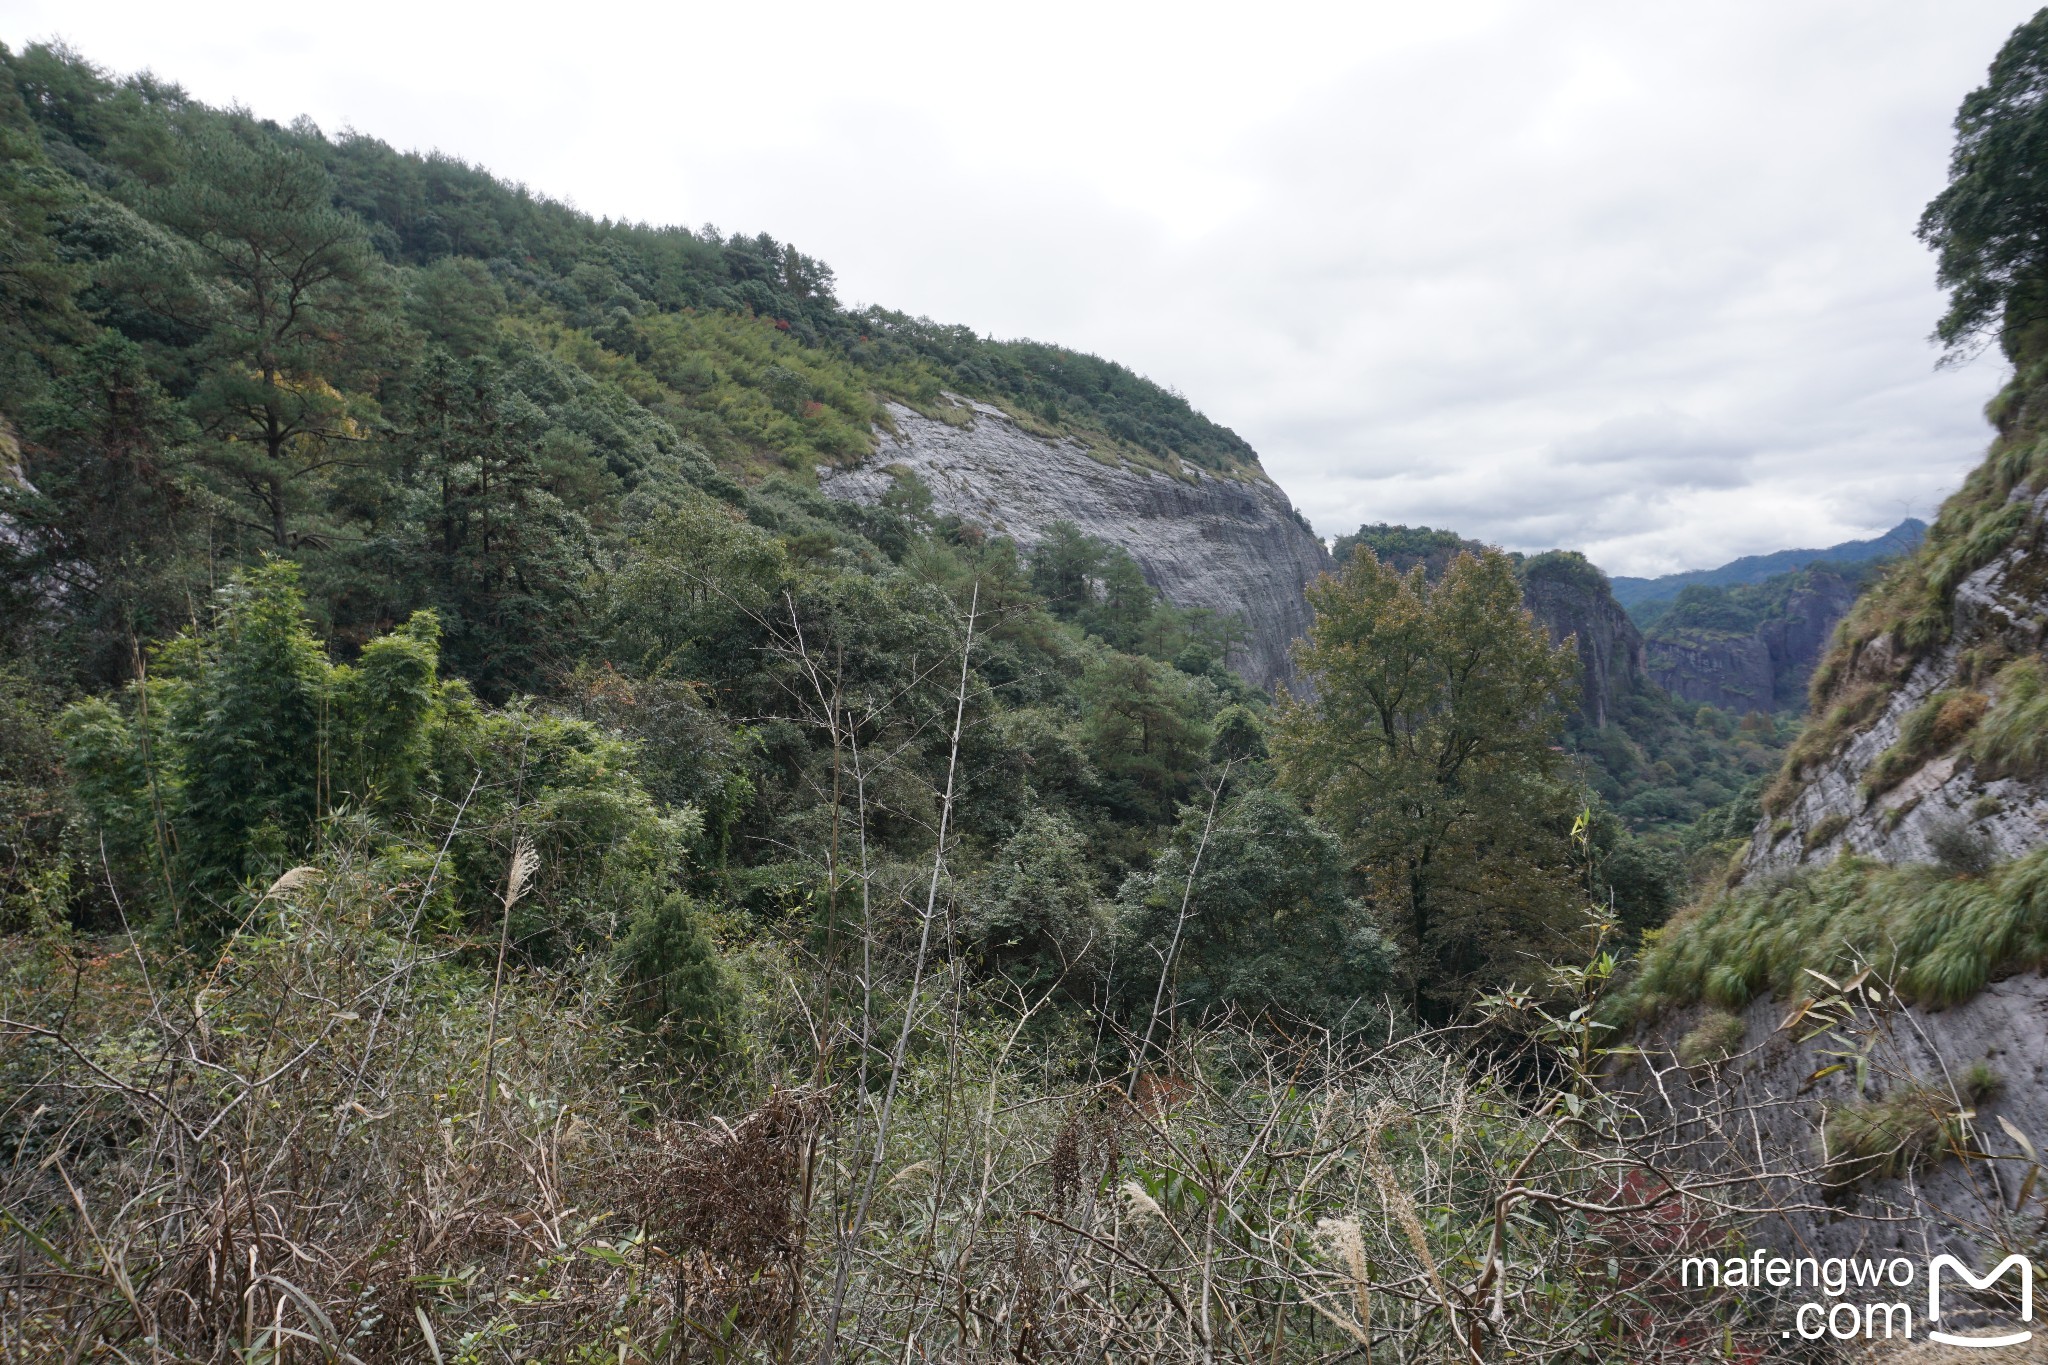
x=1430 y=744
x=1987 y=226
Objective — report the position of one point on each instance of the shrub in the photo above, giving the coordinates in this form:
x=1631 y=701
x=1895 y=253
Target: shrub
x=1931 y=728
x=675 y=987
x=1912 y=1129
x=1960 y=847
x=1716 y=1038
x=247 y=747
x=2012 y=739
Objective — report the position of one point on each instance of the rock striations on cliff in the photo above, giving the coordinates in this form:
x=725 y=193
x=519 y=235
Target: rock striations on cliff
x=1572 y=599
x=1235 y=546
x=1880 y=787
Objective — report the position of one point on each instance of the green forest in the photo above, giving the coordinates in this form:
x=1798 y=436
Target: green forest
x=496 y=866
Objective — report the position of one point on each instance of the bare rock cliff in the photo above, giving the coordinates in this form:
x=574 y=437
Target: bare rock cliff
x=1760 y=1111
x=2001 y=610
x=1721 y=668
x=1235 y=546
x=1760 y=669
x=1572 y=599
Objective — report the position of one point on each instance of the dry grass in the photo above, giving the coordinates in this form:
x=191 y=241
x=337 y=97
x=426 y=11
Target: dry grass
x=287 y=1157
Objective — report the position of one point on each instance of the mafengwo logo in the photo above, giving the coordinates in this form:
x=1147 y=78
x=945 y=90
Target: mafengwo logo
x=1856 y=1295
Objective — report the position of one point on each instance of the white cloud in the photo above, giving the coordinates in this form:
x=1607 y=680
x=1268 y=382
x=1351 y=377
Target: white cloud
x=1637 y=279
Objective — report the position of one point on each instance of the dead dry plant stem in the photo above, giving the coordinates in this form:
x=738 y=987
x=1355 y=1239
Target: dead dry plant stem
x=878 y=1151
x=1179 y=925
x=517 y=875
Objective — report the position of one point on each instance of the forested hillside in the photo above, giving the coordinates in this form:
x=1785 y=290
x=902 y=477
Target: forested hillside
x=1641 y=595
x=1666 y=767
x=451 y=753
x=497 y=866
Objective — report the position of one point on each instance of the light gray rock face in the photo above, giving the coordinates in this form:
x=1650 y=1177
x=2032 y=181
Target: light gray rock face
x=1234 y=546
x=2001 y=603
x=1762 y=1110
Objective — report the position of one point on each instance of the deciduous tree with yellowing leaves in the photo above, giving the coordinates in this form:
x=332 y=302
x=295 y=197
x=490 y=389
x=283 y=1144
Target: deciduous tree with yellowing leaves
x=1427 y=740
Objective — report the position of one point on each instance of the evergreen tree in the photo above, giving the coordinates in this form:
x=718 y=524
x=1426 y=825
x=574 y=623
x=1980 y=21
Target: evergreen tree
x=101 y=533
x=288 y=296
x=503 y=559
x=1987 y=224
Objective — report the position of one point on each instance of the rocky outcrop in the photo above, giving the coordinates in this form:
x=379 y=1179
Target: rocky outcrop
x=1764 y=667
x=2002 y=609
x=1235 y=546
x=1720 y=668
x=1799 y=635
x=1760 y=1110
x=1572 y=599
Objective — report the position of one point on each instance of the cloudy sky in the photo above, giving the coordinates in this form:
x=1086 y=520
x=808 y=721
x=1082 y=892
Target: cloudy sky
x=1636 y=279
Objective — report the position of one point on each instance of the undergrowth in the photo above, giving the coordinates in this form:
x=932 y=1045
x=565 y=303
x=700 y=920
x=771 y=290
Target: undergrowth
x=2012 y=739
x=347 y=1143
x=1938 y=936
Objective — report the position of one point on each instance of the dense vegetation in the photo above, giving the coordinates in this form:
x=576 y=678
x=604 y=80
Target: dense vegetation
x=1657 y=766
x=1740 y=609
x=449 y=749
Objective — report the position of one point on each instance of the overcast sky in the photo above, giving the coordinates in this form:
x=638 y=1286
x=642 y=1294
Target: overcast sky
x=1635 y=279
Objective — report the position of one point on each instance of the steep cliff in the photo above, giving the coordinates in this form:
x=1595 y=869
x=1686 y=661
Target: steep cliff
x=1572 y=598
x=1911 y=762
x=1234 y=545
x=1728 y=669
x=1752 y=648
x=1927 y=740
x=1779 y=1106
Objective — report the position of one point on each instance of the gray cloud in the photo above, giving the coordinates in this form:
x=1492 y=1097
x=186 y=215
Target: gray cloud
x=1635 y=279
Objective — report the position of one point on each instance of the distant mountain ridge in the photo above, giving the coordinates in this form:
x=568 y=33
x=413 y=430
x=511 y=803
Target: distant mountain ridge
x=1634 y=592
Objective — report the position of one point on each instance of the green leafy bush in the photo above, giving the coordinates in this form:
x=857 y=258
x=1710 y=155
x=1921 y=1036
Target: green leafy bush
x=245 y=745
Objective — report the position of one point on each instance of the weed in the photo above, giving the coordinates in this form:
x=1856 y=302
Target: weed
x=1716 y=1038
x=1911 y=1129
x=2012 y=740
x=1937 y=936
x=1931 y=728
x=1824 y=831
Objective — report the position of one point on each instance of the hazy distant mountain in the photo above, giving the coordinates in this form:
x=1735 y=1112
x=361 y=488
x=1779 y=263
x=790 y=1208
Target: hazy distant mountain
x=1633 y=592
